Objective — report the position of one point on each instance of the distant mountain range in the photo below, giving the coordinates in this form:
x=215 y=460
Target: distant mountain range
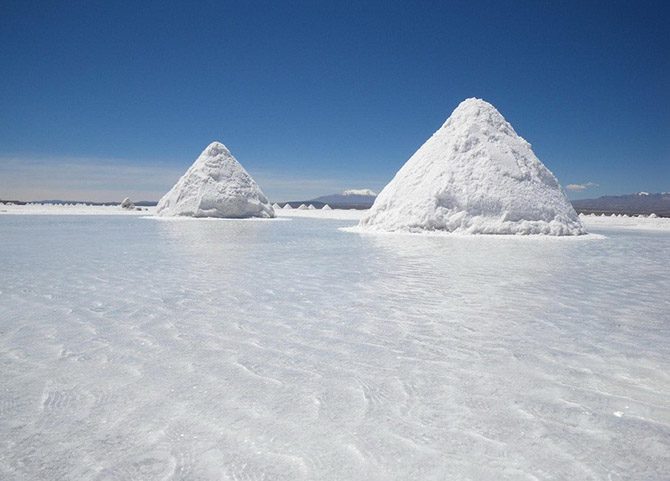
x=631 y=204
x=349 y=199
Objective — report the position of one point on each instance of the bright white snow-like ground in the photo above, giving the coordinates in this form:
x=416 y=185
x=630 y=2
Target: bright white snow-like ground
x=71 y=209
x=132 y=348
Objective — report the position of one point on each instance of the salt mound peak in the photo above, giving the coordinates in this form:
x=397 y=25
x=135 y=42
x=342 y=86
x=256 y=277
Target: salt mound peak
x=475 y=175
x=216 y=185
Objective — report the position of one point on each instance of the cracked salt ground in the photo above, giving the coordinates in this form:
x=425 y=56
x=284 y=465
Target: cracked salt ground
x=137 y=349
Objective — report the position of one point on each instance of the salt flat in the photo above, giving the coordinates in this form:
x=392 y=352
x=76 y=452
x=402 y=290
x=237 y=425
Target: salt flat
x=132 y=348
x=70 y=209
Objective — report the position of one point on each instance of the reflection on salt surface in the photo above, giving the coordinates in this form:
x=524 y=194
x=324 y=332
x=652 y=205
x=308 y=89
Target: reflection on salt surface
x=132 y=348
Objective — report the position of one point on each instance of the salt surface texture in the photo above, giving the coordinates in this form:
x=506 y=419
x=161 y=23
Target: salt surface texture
x=475 y=175
x=216 y=185
x=134 y=348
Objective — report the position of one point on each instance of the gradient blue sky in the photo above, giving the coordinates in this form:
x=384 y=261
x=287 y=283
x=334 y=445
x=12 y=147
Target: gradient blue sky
x=100 y=100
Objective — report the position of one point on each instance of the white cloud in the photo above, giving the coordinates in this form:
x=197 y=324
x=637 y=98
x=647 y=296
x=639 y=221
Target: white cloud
x=580 y=187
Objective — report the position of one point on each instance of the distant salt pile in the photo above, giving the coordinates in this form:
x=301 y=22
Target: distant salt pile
x=127 y=204
x=311 y=207
x=216 y=185
x=475 y=175
x=287 y=206
x=302 y=207
x=326 y=207
x=275 y=206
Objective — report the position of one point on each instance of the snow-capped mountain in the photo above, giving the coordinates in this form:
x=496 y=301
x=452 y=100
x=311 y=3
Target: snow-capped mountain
x=349 y=199
x=366 y=192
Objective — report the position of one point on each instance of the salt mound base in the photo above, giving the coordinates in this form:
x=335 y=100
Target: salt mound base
x=475 y=175
x=216 y=185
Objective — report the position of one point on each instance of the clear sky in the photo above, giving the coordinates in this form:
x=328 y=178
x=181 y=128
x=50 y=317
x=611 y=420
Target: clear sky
x=103 y=99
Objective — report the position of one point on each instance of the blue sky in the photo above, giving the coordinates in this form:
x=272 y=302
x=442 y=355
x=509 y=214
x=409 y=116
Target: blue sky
x=100 y=100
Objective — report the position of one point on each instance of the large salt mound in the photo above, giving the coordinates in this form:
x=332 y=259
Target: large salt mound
x=216 y=185
x=475 y=175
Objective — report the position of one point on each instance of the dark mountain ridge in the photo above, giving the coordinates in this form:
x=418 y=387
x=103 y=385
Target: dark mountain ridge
x=632 y=204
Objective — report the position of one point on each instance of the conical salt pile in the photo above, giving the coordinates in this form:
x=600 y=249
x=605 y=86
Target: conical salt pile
x=216 y=185
x=474 y=175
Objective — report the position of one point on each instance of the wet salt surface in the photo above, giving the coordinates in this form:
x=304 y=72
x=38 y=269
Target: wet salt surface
x=137 y=349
